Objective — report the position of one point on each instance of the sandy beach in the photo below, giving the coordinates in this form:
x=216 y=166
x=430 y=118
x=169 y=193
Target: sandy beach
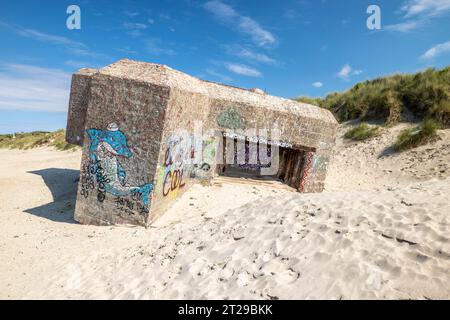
x=381 y=230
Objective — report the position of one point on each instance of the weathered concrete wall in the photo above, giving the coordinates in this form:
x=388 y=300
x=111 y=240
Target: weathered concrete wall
x=124 y=124
x=183 y=146
x=78 y=104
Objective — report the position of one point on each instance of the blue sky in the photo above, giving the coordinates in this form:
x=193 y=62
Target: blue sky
x=288 y=48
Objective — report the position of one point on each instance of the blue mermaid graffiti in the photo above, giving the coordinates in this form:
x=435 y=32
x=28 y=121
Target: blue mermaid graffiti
x=104 y=149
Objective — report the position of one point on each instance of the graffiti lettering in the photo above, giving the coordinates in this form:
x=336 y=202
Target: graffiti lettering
x=172 y=181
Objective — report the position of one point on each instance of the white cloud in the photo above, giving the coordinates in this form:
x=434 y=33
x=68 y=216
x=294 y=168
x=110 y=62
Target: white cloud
x=260 y=36
x=426 y=7
x=437 y=50
x=347 y=71
x=164 y=16
x=153 y=47
x=219 y=76
x=317 y=84
x=244 y=24
x=78 y=64
x=249 y=54
x=417 y=13
x=74 y=47
x=404 y=27
x=43 y=37
x=221 y=10
x=244 y=70
x=131 y=13
x=26 y=87
x=135 y=26
x=127 y=50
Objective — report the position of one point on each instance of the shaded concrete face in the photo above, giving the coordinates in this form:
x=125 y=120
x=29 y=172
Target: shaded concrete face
x=123 y=127
x=78 y=104
x=142 y=148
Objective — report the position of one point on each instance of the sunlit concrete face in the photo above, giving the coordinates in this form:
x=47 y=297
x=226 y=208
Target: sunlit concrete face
x=149 y=132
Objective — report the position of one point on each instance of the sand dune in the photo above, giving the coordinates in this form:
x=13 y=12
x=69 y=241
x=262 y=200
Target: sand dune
x=381 y=231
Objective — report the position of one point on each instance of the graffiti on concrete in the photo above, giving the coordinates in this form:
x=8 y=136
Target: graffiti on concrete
x=314 y=165
x=202 y=168
x=178 y=152
x=182 y=161
x=129 y=206
x=231 y=119
x=105 y=172
x=306 y=171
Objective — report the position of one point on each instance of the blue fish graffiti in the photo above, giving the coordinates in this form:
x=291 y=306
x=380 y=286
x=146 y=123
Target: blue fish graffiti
x=105 y=148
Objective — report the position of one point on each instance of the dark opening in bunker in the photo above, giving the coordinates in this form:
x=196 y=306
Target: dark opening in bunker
x=246 y=159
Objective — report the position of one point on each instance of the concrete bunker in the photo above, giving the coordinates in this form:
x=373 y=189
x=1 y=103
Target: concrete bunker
x=149 y=132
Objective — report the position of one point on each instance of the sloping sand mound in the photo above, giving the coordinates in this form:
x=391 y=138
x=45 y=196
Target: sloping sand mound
x=384 y=235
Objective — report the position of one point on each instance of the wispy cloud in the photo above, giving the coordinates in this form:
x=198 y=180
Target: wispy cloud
x=27 y=87
x=78 y=64
x=153 y=46
x=131 y=14
x=41 y=36
x=425 y=7
x=218 y=75
x=347 y=71
x=167 y=17
x=248 y=54
x=243 y=70
x=404 y=27
x=317 y=84
x=134 y=29
x=127 y=50
x=135 y=25
x=244 y=24
x=72 y=46
x=221 y=10
x=416 y=13
x=437 y=50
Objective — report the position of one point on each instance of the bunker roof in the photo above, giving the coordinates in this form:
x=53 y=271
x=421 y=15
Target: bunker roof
x=163 y=75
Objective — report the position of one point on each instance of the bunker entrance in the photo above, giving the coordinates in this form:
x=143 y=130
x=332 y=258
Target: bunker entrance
x=245 y=159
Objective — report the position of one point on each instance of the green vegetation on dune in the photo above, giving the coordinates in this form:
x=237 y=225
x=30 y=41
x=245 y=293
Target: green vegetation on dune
x=411 y=138
x=308 y=100
x=361 y=132
x=426 y=95
x=36 y=139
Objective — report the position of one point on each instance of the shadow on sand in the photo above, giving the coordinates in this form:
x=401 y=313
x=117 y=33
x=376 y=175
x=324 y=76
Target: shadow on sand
x=387 y=152
x=62 y=183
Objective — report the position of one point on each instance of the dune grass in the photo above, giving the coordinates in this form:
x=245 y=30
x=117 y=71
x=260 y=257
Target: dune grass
x=424 y=95
x=362 y=132
x=36 y=139
x=412 y=138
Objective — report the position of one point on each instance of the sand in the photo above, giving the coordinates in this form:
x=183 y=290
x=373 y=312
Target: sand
x=380 y=231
